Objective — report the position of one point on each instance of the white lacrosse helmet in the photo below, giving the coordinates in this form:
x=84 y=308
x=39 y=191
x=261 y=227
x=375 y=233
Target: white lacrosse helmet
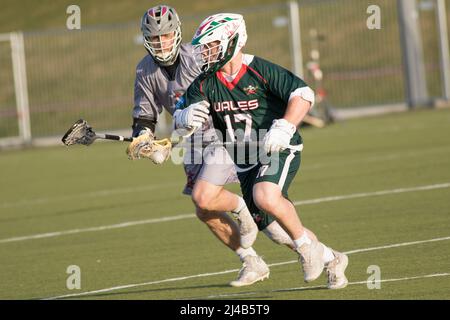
x=156 y=22
x=227 y=31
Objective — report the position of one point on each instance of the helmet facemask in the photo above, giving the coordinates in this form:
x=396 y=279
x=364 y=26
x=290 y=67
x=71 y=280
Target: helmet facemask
x=164 y=48
x=212 y=56
x=161 y=29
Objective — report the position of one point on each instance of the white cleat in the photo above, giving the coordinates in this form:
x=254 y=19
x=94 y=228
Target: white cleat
x=253 y=270
x=247 y=227
x=311 y=259
x=336 y=271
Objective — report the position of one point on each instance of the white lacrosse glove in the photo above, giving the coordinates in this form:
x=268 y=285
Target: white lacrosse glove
x=279 y=136
x=193 y=116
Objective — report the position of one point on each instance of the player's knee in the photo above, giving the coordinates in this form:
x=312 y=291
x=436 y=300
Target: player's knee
x=265 y=198
x=205 y=195
x=201 y=198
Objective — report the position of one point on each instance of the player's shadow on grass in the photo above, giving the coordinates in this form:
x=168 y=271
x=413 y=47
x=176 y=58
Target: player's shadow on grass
x=144 y=291
x=262 y=294
x=255 y=295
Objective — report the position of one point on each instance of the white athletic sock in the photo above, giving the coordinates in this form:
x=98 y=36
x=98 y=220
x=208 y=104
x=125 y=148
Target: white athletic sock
x=241 y=205
x=327 y=254
x=242 y=253
x=302 y=240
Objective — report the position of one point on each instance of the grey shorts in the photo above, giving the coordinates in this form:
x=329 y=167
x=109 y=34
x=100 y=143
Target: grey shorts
x=217 y=168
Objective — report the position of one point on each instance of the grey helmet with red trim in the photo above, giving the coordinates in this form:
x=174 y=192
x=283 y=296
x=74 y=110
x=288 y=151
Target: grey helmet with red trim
x=227 y=31
x=159 y=21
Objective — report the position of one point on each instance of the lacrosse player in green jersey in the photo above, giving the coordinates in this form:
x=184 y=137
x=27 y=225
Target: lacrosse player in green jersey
x=251 y=99
x=162 y=77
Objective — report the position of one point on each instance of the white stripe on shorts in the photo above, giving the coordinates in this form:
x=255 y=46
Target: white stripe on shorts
x=286 y=169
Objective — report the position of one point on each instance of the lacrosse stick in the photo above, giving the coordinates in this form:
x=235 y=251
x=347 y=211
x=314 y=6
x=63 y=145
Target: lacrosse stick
x=82 y=133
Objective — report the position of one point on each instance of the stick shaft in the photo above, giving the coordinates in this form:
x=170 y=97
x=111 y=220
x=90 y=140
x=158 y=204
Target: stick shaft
x=114 y=137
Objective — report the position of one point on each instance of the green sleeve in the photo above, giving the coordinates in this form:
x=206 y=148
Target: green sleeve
x=280 y=81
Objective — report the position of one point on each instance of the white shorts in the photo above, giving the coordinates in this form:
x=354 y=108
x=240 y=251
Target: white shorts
x=217 y=168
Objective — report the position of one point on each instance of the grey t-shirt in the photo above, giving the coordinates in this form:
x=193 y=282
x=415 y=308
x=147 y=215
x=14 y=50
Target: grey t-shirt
x=153 y=90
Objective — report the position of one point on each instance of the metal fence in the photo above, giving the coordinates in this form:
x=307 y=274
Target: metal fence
x=360 y=66
x=89 y=73
x=8 y=110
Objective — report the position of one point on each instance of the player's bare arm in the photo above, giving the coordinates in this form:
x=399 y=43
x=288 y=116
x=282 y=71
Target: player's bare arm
x=296 y=110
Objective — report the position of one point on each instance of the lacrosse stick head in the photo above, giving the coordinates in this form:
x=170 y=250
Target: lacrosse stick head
x=79 y=133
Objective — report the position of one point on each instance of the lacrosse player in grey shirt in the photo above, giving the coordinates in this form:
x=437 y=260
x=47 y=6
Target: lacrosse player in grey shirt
x=161 y=78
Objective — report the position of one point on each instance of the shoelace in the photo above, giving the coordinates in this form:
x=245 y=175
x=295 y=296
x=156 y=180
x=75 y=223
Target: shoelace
x=331 y=277
x=304 y=260
x=242 y=270
x=330 y=274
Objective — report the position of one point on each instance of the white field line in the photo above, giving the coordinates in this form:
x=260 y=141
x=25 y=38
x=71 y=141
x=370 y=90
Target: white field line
x=109 y=192
x=434 y=275
x=375 y=158
x=389 y=246
x=186 y=216
x=93 y=194
x=395 y=245
x=100 y=228
x=372 y=194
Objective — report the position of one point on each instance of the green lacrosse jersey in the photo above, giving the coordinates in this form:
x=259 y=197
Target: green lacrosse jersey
x=243 y=109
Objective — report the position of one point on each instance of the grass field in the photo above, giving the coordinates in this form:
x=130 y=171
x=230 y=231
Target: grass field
x=381 y=188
